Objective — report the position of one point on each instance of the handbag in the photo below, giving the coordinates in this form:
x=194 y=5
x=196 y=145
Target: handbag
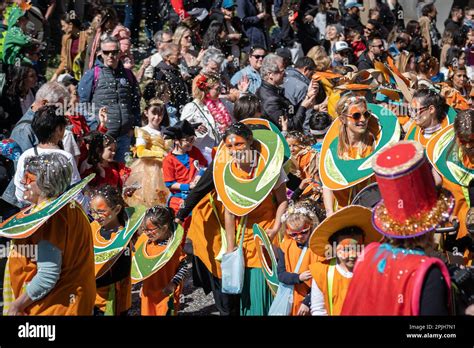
x=233 y=267
x=283 y=301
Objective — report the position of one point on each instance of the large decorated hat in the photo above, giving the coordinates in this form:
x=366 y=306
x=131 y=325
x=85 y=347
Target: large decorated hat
x=267 y=258
x=450 y=167
x=242 y=195
x=145 y=265
x=106 y=254
x=410 y=205
x=352 y=215
x=25 y=223
x=339 y=174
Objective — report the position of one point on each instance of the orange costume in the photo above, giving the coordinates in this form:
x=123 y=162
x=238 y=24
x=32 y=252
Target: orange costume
x=306 y=163
x=292 y=253
x=114 y=298
x=154 y=301
x=460 y=194
x=74 y=292
x=340 y=285
x=345 y=196
x=419 y=133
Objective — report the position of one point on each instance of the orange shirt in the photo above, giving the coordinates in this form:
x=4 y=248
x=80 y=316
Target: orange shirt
x=292 y=254
x=344 y=197
x=153 y=300
x=319 y=271
x=68 y=230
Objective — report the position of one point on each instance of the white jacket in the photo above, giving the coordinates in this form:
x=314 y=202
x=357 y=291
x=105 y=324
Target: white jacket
x=196 y=112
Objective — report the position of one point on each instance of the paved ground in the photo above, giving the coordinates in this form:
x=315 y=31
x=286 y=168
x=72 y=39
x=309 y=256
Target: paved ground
x=195 y=301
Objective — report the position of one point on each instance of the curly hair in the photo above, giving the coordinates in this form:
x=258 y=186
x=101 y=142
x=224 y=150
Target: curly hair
x=97 y=143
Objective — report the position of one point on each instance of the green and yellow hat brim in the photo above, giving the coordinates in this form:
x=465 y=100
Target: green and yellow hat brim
x=24 y=223
x=339 y=174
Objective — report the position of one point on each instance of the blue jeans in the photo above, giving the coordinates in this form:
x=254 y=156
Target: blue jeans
x=123 y=146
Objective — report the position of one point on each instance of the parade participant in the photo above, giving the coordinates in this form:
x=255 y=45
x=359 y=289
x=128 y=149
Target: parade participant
x=100 y=160
x=429 y=112
x=112 y=270
x=398 y=277
x=304 y=158
x=184 y=165
x=146 y=173
x=161 y=290
x=209 y=236
x=357 y=133
x=299 y=220
x=57 y=279
x=337 y=241
x=451 y=153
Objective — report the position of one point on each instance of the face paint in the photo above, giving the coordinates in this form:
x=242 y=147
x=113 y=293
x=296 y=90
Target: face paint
x=100 y=211
x=348 y=248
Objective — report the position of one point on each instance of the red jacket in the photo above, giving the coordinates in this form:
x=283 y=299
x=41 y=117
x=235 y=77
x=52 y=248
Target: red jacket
x=387 y=281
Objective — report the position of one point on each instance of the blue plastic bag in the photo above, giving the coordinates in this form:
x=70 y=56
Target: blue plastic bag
x=233 y=266
x=283 y=300
x=233 y=269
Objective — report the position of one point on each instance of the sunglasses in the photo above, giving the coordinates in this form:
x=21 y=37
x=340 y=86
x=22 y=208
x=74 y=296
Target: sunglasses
x=414 y=111
x=300 y=233
x=258 y=56
x=357 y=115
x=108 y=53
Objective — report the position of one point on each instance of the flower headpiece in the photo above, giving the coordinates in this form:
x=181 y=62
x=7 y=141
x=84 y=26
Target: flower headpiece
x=294 y=209
x=201 y=83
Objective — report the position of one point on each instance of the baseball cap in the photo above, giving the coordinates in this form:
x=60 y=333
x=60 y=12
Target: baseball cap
x=352 y=3
x=340 y=46
x=228 y=4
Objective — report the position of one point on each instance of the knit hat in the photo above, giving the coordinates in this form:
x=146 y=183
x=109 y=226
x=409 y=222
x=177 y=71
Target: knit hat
x=228 y=4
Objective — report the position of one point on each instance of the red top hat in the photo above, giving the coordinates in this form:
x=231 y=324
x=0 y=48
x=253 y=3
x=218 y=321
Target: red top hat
x=410 y=205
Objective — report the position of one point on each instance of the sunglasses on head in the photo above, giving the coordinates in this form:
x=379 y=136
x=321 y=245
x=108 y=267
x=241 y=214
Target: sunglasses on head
x=357 y=116
x=294 y=234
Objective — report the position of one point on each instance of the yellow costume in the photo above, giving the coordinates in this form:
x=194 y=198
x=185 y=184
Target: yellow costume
x=146 y=172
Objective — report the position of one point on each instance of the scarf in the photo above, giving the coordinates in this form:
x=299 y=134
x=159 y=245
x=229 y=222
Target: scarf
x=220 y=114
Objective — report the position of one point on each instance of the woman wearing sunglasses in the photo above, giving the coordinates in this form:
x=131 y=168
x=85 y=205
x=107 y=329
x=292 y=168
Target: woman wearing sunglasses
x=355 y=141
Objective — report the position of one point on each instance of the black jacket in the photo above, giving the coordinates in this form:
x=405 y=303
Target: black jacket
x=180 y=95
x=274 y=104
x=451 y=25
x=364 y=62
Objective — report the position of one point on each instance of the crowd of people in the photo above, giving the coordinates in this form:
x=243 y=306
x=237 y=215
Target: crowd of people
x=290 y=157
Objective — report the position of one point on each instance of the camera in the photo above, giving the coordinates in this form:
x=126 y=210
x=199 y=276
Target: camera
x=462 y=281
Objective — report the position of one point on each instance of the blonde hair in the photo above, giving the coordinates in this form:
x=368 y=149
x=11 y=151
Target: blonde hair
x=200 y=94
x=299 y=213
x=342 y=108
x=179 y=33
x=320 y=58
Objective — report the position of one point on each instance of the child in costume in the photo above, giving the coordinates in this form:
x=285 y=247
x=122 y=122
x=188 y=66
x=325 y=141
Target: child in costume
x=304 y=158
x=299 y=221
x=161 y=291
x=184 y=165
x=114 y=287
x=146 y=172
x=100 y=160
x=337 y=242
